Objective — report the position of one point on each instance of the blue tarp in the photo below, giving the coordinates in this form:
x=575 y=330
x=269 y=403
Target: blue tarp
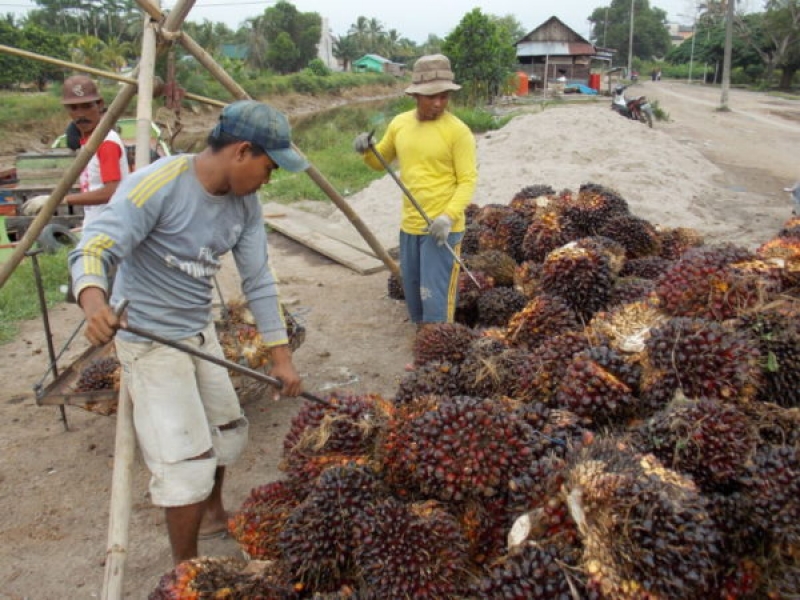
x=583 y=89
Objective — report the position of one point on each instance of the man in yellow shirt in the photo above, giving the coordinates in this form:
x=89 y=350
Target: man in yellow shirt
x=436 y=154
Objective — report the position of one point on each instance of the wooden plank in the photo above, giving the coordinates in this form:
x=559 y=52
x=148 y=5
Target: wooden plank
x=295 y=228
x=346 y=235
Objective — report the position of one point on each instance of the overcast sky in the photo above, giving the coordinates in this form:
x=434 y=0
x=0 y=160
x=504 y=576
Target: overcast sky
x=413 y=19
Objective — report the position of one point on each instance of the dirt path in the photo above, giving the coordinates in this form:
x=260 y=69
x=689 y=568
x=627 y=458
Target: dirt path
x=722 y=172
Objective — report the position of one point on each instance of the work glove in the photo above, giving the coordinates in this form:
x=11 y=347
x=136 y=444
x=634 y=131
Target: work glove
x=440 y=229
x=362 y=142
x=34 y=205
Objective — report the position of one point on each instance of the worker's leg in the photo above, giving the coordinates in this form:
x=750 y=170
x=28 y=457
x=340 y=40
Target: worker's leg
x=409 y=269
x=439 y=279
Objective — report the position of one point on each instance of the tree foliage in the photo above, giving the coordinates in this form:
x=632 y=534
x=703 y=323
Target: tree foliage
x=283 y=39
x=611 y=29
x=34 y=39
x=482 y=55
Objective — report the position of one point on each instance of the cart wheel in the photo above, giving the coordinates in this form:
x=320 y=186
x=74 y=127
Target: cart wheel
x=55 y=237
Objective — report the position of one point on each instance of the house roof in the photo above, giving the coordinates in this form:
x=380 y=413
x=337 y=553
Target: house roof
x=553 y=37
x=374 y=57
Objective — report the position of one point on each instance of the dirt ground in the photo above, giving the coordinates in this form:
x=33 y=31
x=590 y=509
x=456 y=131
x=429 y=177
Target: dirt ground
x=721 y=172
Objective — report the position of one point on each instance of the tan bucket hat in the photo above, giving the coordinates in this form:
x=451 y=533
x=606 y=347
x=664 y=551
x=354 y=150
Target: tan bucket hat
x=432 y=75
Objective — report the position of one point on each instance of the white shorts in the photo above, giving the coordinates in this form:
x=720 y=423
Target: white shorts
x=179 y=404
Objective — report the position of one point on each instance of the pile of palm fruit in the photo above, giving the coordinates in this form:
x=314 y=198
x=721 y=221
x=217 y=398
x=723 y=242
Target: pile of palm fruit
x=615 y=415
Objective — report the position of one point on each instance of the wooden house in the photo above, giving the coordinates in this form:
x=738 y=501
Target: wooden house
x=553 y=51
x=372 y=63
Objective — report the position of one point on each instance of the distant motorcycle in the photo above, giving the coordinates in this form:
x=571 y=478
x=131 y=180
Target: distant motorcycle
x=636 y=108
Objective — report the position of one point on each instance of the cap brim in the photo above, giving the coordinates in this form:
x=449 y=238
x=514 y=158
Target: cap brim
x=435 y=87
x=288 y=159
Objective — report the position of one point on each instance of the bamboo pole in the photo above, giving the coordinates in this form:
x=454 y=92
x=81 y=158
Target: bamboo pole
x=238 y=92
x=125 y=443
x=97 y=72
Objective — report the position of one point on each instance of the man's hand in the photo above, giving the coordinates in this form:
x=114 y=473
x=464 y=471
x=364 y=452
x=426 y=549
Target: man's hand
x=362 y=142
x=283 y=368
x=440 y=229
x=34 y=205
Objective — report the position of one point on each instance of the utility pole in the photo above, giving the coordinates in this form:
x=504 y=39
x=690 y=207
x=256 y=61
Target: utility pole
x=630 y=43
x=694 y=34
x=605 y=29
x=726 y=57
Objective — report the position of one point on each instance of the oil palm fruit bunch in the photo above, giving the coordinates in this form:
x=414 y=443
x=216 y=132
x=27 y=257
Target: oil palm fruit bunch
x=674 y=241
x=581 y=276
x=646 y=267
x=489 y=373
x=394 y=288
x=638 y=236
x=497 y=305
x=256 y=526
x=435 y=377
x=317 y=541
x=708 y=359
x=610 y=248
x=646 y=529
x=543 y=317
x=218 y=579
x=777 y=337
x=600 y=387
x=526 y=278
x=545 y=233
x=442 y=341
x=629 y=290
x=708 y=439
x=410 y=551
x=484 y=524
x=593 y=206
x=497 y=264
x=705 y=284
x=466 y=311
x=99 y=374
x=453 y=449
x=506 y=237
x=531 y=198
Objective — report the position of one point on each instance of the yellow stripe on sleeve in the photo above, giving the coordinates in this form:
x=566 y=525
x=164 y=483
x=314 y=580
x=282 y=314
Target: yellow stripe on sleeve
x=150 y=184
x=93 y=254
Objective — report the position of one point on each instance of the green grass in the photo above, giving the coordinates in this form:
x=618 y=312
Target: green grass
x=19 y=298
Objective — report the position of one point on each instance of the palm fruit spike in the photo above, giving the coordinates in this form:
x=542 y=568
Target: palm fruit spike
x=581 y=276
x=708 y=439
x=592 y=208
x=674 y=241
x=543 y=317
x=708 y=359
x=648 y=267
x=317 y=541
x=442 y=341
x=497 y=305
x=646 y=529
x=257 y=524
x=452 y=449
x=410 y=551
x=526 y=278
x=545 y=233
x=434 y=377
x=99 y=374
x=491 y=373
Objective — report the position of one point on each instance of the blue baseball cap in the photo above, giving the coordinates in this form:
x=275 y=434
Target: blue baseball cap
x=265 y=127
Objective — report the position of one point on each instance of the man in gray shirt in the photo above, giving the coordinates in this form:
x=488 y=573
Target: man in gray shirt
x=167 y=227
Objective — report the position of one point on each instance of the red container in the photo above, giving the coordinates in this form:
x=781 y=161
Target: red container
x=594 y=81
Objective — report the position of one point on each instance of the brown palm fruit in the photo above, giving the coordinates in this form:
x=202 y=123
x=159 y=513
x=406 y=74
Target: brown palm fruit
x=466 y=311
x=708 y=439
x=581 y=276
x=507 y=236
x=497 y=264
x=611 y=249
x=780 y=247
x=658 y=388
x=775 y=425
x=522 y=199
x=593 y=206
x=256 y=526
x=99 y=374
x=395 y=288
x=317 y=541
x=487 y=373
x=526 y=278
x=626 y=327
x=674 y=241
x=630 y=290
x=410 y=551
x=485 y=524
x=772 y=485
x=556 y=432
x=543 y=317
x=489 y=215
x=637 y=235
x=646 y=267
x=496 y=306
x=218 y=578
x=777 y=336
x=455 y=448
x=705 y=284
x=544 y=234
x=471 y=212
x=472 y=234
x=708 y=359
x=600 y=387
x=434 y=377
x=539 y=376
x=534 y=571
x=646 y=529
x=442 y=341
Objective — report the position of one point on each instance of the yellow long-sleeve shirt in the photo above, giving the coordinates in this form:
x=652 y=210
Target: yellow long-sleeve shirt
x=437 y=161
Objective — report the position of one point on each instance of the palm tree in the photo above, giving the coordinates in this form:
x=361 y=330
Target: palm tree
x=346 y=50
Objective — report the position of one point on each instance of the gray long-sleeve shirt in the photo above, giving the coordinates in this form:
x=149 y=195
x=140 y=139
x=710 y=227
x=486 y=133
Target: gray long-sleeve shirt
x=171 y=234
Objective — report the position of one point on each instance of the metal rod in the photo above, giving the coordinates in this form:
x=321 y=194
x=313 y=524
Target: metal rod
x=48 y=333
x=416 y=204
x=274 y=381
